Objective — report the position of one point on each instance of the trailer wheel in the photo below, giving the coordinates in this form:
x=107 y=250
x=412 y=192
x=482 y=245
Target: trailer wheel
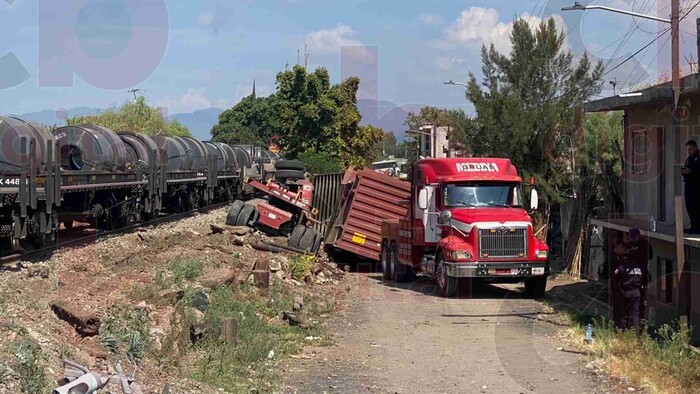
x=296 y=235
x=446 y=285
x=246 y=215
x=317 y=243
x=308 y=240
x=289 y=174
x=290 y=165
x=535 y=287
x=384 y=260
x=233 y=212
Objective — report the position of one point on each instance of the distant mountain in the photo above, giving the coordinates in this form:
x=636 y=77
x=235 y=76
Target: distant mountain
x=199 y=122
x=386 y=115
x=50 y=117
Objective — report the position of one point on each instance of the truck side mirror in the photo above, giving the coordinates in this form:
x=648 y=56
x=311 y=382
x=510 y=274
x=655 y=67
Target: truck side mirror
x=534 y=200
x=445 y=217
x=423 y=199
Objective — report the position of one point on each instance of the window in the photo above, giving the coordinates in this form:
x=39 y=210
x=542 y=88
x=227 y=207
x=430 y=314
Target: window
x=483 y=195
x=665 y=279
x=640 y=151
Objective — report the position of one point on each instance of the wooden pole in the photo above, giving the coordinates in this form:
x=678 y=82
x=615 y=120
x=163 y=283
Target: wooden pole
x=229 y=330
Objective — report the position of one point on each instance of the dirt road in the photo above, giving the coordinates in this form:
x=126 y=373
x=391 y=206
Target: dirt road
x=407 y=340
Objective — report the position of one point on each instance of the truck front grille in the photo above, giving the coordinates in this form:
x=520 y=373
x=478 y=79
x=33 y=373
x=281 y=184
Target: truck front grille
x=503 y=242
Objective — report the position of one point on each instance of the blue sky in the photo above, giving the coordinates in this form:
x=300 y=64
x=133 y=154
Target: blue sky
x=191 y=55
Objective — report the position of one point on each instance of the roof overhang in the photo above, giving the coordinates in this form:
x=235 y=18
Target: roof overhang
x=659 y=94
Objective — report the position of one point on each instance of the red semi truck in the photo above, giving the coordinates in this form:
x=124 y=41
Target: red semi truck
x=465 y=222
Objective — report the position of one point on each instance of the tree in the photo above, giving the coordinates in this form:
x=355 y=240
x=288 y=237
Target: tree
x=320 y=117
x=135 y=116
x=254 y=120
x=388 y=146
x=529 y=104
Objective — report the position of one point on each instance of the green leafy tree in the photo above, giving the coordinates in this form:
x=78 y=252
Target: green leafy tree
x=388 y=146
x=321 y=162
x=254 y=120
x=319 y=117
x=529 y=104
x=135 y=116
x=458 y=122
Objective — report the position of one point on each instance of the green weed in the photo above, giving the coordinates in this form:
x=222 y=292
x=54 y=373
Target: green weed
x=300 y=266
x=29 y=367
x=125 y=330
x=186 y=270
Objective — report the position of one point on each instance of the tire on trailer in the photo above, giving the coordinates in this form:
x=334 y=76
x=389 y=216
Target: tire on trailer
x=290 y=165
x=246 y=215
x=384 y=261
x=289 y=174
x=296 y=235
x=233 y=212
x=535 y=286
x=308 y=239
x=317 y=243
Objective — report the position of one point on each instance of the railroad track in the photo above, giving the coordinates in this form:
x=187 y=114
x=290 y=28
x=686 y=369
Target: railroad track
x=102 y=234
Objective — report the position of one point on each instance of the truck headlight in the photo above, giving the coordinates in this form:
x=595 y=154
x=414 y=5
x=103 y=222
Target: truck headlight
x=541 y=254
x=460 y=255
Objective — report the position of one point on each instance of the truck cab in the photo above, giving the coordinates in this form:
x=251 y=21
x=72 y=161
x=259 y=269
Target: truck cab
x=466 y=221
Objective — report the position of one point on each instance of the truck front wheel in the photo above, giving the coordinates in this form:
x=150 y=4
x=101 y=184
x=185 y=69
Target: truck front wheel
x=535 y=286
x=446 y=285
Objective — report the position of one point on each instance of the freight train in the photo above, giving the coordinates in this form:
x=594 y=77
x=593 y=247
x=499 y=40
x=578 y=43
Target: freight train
x=92 y=174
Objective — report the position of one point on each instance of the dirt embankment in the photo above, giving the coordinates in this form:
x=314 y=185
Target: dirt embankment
x=159 y=300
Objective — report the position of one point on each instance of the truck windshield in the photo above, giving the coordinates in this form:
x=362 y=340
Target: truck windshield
x=506 y=195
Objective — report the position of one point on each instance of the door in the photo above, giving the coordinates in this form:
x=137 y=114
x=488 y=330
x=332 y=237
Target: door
x=429 y=216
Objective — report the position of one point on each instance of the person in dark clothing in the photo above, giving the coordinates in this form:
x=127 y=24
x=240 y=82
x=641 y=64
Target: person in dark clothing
x=630 y=280
x=691 y=177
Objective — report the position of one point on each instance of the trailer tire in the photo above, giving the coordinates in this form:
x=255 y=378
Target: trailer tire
x=317 y=243
x=233 y=212
x=288 y=174
x=384 y=261
x=308 y=240
x=535 y=286
x=446 y=285
x=246 y=215
x=290 y=165
x=296 y=235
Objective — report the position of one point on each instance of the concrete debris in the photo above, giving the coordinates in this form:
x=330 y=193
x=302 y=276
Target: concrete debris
x=38 y=271
x=298 y=303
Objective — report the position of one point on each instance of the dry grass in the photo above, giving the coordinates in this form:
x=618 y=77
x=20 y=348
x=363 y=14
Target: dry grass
x=663 y=362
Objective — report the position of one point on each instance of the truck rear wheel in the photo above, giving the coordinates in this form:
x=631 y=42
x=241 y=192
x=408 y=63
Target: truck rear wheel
x=535 y=286
x=446 y=285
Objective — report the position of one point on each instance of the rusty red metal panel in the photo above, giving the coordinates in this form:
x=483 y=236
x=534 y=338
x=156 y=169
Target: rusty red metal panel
x=368 y=198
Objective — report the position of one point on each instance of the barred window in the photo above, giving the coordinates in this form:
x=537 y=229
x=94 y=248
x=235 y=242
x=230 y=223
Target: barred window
x=640 y=151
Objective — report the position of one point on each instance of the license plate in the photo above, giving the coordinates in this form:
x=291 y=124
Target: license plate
x=272 y=216
x=538 y=271
x=504 y=271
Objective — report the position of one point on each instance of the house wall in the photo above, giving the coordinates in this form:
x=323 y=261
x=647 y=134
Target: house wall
x=642 y=188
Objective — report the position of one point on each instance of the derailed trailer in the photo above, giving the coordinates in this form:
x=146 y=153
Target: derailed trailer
x=367 y=199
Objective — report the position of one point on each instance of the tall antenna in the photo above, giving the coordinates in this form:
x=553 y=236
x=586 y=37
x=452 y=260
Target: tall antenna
x=134 y=91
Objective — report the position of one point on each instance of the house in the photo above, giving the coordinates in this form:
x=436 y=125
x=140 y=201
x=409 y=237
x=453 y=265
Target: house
x=654 y=152
x=433 y=140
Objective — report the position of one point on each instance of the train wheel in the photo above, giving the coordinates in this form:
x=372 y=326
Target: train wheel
x=14 y=244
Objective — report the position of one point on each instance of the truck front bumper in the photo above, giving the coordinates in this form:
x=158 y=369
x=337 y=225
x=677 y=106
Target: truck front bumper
x=497 y=270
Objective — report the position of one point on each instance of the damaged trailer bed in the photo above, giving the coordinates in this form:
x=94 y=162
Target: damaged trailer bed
x=366 y=198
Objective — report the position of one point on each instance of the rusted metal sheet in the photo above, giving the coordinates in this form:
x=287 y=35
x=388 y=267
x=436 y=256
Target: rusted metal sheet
x=328 y=189
x=368 y=198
